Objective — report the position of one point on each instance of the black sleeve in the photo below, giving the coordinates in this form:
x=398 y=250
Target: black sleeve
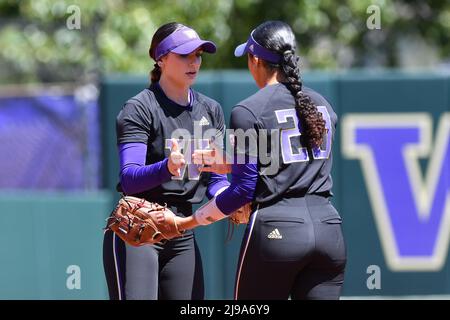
x=219 y=118
x=245 y=135
x=242 y=118
x=133 y=124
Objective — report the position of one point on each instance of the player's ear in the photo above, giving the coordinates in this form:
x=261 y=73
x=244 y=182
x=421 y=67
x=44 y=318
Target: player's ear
x=253 y=59
x=259 y=62
x=162 y=60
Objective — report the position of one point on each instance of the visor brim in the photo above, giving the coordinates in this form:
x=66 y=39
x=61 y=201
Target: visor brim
x=191 y=46
x=240 y=50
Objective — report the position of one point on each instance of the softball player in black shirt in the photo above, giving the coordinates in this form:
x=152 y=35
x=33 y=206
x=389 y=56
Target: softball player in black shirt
x=156 y=137
x=293 y=246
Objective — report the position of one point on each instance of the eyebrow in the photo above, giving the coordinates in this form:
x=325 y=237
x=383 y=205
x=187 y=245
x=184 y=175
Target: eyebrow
x=200 y=51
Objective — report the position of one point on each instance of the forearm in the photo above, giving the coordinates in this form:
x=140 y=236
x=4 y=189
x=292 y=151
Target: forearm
x=216 y=184
x=239 y=193
x=135 y=176
x=135 y=179
x=186 y=223
x=242 y=189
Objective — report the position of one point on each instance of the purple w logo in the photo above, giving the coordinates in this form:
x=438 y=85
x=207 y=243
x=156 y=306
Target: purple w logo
x=411 y=208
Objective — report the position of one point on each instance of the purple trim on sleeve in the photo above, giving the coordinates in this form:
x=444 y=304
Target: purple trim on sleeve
x=241 y=190
x=216 y=182
x=135 y=176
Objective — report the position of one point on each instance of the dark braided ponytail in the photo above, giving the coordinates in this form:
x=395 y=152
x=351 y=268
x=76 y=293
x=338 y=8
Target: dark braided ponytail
x=278 y=36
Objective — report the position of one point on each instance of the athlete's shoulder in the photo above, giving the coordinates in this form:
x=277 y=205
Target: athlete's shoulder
x=320 y=100
x=257 y=102
x=209 y=102
x=145 y=98
x=316 y=97
x=139 y=107
x=143 y=102
x=262 y=95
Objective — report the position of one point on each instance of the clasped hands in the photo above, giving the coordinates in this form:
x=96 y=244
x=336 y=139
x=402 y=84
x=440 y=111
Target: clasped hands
x=210 y=160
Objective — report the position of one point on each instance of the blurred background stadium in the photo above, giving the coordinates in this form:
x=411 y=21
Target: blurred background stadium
x=66 y=68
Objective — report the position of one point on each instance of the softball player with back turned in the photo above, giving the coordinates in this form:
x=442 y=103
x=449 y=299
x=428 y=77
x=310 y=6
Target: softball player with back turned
x=293 y=246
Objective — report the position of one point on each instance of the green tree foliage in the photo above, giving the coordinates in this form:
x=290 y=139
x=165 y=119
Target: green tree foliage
x=114 y=36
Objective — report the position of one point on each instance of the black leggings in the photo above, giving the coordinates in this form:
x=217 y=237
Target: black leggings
x=292 y=249
x=172 y=271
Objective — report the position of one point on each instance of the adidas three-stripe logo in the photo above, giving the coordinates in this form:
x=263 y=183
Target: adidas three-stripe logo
x=204 y=122
x=275 y=234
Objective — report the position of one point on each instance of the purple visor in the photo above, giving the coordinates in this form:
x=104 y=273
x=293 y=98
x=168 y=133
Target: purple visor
x=253 y=47
x=183 y=41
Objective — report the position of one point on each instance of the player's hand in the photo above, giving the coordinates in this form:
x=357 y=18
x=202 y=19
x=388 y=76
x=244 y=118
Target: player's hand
x=212 y=160
x=160 y=217
x=176 y=159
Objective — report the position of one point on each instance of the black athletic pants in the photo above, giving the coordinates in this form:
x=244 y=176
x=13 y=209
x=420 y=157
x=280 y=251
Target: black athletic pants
x=172 y=271
x=293 y=248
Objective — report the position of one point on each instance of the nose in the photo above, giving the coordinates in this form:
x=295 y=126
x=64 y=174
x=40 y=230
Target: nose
x=195 y=60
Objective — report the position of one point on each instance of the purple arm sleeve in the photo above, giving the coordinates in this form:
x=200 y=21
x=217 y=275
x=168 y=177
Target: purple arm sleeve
x=135 y=176
x=241 y=190
x=215 y=183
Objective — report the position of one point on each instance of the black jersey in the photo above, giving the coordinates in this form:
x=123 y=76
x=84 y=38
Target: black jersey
x=294 y=170
x=151 y=118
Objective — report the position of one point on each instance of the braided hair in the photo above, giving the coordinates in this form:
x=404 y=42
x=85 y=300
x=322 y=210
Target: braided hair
x=277 y=36
x=160 y=34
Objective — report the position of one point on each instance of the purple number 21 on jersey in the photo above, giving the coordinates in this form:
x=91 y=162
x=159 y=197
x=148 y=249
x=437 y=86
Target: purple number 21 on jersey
x=301 y=154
